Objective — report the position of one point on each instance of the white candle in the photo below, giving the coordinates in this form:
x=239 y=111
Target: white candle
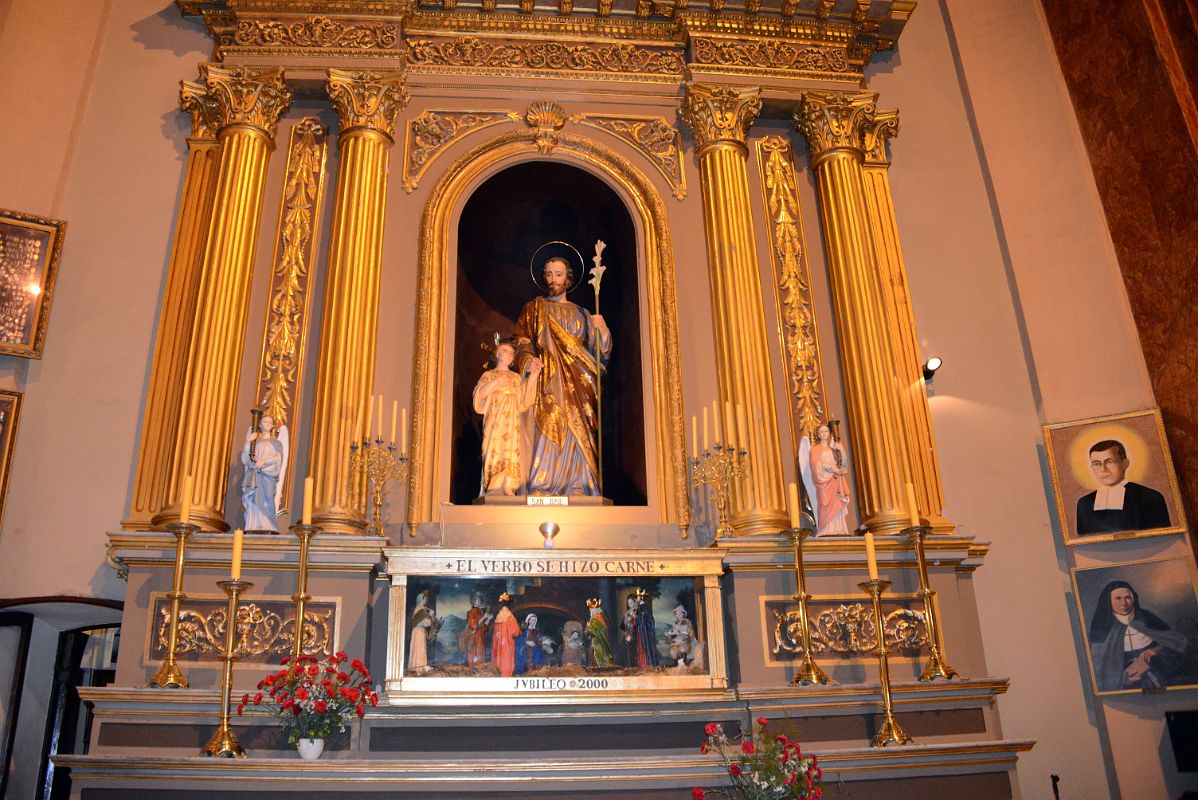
x=235 y=569
x=394 y=414
x=185 y=501
x=715 y=421
x=705 y=429
x=730 y=421
x=792 y=490
x=380 y=423
x=308 y=491
x=369 y=418
x=871 y=556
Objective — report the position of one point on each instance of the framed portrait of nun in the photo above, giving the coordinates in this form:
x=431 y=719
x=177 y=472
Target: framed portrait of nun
x=1113 y=478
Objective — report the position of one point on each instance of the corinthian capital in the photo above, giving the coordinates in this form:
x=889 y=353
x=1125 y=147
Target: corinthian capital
x=203 y=108
x=368 y=99
x=720 y=113
x=834 y=121
x=878 y=131
x=254 y=96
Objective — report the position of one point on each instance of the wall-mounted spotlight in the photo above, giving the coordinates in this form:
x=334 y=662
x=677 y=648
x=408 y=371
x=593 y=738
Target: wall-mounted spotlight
x=930 y=366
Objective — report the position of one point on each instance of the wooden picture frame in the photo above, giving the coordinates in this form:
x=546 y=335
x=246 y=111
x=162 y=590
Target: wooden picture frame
x=30 y=248
x=10 y=414
x=1130 y=492
x=1164 y=588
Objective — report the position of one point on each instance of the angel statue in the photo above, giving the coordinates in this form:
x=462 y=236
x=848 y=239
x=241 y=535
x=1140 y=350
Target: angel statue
x=502 y=397
x=264 y=457
x=825 y=476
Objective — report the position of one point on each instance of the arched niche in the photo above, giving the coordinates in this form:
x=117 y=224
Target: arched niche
x=502 y=224
x=434 y=345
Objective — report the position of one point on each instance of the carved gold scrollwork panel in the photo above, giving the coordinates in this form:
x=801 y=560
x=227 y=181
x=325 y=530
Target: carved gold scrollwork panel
x=792 y=286
x=265 y=629
x=281 y=363
x=744 y=53
x=468 y=53
x=657 y=139
x=315 y=35
x=432 y=132
x=845 y=629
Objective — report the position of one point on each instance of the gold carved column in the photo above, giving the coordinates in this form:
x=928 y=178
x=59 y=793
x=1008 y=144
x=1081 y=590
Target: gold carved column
x=248 y=103
x=720 y=118
x=178 y=308
x=367 y=104
x=834 y=124
x=908 y=362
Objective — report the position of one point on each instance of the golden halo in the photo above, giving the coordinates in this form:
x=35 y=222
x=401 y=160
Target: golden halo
x=578 y=273
x=1133 y=442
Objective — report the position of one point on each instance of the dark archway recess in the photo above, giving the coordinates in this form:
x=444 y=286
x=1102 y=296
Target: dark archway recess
x=503 y=223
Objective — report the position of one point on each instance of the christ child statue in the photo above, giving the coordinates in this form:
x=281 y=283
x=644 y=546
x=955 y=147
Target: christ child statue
x=502 y=397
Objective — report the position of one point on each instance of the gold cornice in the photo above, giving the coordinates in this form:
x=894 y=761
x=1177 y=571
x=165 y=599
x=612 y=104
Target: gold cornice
x=321 y=35
x=541 y=57
x=834 y=122
x=720 y=114
x=736 y=54
x=252 y=96
x=368 y=99
x=490 y=25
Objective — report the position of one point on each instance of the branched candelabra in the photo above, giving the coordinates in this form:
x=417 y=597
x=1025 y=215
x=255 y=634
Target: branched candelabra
x=718 y=467
x=378 y=462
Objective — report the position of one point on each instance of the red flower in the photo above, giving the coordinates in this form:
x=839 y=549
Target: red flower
x=287 y=703
x=697 y=793
x=789 y=779
x=361 y=711
x=365 y=673
x=703 y=748
x=815 y=773
x=784 y=758
x=298 y=669
x=245 y=698
x=258 y=698
x=339 y=656
x=320 y=706
x=781 y=739
x=313 y=670
x=240 y=707
x=331 y=690
x=352 y=695
x=374 y=699
x=817 y=793
x=342 y=677
x=734 y=770
x=301 y=693
x=762 y=721
x=357 y=665
x=284 y=659
x=296 y=710
x=711 y=729
x=331 y=669
x=748 y=747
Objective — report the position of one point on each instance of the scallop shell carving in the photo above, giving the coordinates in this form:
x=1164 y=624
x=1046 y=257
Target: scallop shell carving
x=545 y=114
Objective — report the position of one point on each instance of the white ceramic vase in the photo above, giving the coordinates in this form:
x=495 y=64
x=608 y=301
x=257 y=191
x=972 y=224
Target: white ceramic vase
x=310 y=749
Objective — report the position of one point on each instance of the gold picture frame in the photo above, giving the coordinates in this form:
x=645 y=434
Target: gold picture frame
x=10 y=414
x=30 y=248
x=1164 y=588
x=1150 y=501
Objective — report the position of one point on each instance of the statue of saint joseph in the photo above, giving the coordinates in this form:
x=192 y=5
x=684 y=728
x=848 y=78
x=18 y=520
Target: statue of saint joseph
x=561 y=337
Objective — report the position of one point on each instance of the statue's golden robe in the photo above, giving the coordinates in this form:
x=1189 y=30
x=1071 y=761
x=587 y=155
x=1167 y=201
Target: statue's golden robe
x=565 y=460
x=504 y=449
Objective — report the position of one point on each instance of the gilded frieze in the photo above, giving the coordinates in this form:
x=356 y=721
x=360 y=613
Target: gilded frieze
x=283 y=341
x=844 y=629
x=770 y=55
x=472 y=52
x=265 y=629
x=796 y=323
x=432 y=132
x=657 y=139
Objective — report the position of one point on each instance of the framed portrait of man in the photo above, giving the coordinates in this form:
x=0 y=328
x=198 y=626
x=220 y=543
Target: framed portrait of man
x=1140 y=624
x=1113 y=478
x=30 y=248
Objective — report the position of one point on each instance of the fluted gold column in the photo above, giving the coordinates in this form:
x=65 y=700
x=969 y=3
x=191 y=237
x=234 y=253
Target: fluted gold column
x=178 y=309
x=833 y=123
x=367 y=104
x=908 y=362
x=248 y=103
x=720 y=118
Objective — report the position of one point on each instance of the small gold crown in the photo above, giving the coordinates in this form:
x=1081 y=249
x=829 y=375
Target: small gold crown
x=641 y=592
x=505 y=598
x=594 y=602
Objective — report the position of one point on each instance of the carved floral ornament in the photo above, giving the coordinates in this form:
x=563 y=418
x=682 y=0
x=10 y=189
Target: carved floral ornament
x=835 y=120
x=203 y=108
x=769 y=54
x=720 y=113
x=368 y=98
x=254 y=96
x=316 y=33
x=470 y=51
x=883 y=128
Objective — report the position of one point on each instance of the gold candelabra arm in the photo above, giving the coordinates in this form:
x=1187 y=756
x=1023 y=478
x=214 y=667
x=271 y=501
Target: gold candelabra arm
x=809 y=672
x=937 y=666
x=169 y=676
x=377 y=462
x=890 y=732
x=224 y=741
x=719 y=467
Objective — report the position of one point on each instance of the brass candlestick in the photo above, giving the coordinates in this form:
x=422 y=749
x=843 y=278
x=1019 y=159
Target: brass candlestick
x=304 y=533
x=224 y=741
x=378 y=462
x=718 y=467
x=809 y=672
x=890 y=732
x=937 y=666
x=169 y=676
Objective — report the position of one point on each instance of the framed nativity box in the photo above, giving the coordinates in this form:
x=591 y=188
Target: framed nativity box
x=553 y=623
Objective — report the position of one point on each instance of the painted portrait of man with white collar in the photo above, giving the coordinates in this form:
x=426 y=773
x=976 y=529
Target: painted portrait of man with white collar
x=1118 y=504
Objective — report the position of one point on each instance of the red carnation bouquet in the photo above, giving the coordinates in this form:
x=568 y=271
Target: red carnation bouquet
x=762 y=767
x=315 y=696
